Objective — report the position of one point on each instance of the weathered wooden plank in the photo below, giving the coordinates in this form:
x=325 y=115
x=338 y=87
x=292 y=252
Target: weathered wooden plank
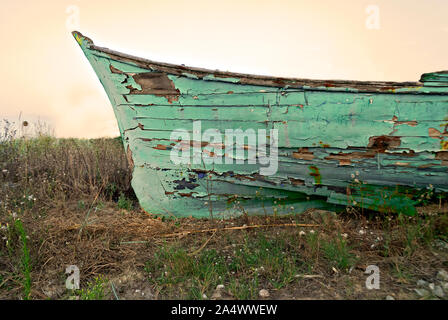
x=363 y=143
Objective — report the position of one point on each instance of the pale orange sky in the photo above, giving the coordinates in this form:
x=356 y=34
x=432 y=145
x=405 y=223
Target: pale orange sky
x=45 y=75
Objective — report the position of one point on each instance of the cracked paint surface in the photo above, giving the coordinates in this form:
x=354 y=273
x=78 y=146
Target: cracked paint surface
x=366 y=144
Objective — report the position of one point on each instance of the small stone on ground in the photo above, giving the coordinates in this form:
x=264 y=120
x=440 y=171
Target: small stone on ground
x=422 y=283
x=422 y=292
x=263 y=293
x=442 y=275
x=438 y=292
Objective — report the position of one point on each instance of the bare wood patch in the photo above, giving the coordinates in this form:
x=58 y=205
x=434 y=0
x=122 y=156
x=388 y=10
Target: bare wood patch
x=303 y=154
x=156 y=83
x=383 y=143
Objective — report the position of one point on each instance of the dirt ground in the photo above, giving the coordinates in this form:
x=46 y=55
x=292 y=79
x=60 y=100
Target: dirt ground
x=117 y=245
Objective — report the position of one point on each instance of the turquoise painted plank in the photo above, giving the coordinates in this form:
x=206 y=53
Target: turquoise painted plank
x=332 y=136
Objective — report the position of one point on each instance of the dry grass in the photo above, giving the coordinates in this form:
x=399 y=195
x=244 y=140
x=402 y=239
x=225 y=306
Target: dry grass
x=118 y=244
x=40 y=174
x=49 y=169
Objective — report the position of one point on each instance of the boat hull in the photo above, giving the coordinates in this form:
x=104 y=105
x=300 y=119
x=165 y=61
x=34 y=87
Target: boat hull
x=324 y=143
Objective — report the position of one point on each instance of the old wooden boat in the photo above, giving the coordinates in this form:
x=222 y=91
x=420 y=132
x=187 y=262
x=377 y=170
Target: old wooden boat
x=374 y=145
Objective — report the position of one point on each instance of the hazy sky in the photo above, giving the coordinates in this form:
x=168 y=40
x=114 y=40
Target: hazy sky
x=45 y=75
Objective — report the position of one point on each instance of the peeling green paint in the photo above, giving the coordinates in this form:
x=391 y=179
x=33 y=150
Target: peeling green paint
x=392 y=137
